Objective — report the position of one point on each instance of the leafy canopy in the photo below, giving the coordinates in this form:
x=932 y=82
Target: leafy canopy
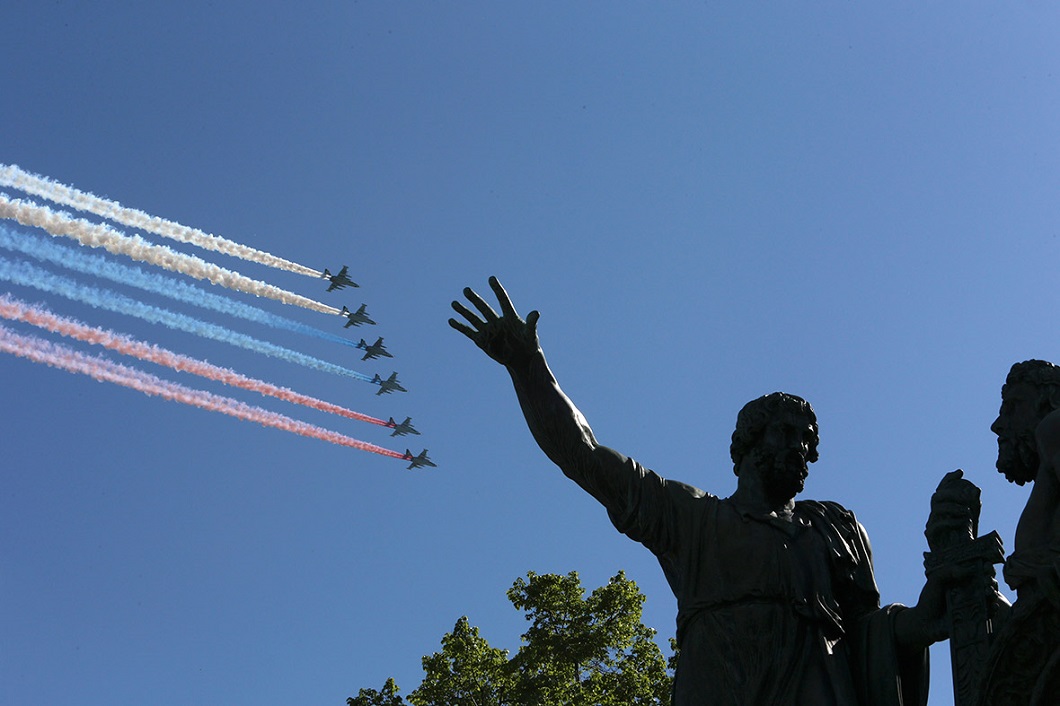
x=578 y=651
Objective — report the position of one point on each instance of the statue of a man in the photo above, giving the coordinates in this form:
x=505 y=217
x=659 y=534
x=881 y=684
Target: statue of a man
x=777 y=601
x=1025 y=663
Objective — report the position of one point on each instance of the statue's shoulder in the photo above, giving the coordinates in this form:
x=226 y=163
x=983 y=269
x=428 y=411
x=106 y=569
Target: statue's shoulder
x=831 y=517
x=851 y=551
x=827 y=510
x=690 y=490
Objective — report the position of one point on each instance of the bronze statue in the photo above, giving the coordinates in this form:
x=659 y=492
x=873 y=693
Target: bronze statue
x=777 y=600
x=1024 y=668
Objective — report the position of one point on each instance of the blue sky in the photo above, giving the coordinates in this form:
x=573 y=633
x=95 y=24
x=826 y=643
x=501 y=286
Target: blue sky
x=706 y=201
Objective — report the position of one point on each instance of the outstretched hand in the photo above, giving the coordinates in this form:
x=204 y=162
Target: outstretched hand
x=507 y=338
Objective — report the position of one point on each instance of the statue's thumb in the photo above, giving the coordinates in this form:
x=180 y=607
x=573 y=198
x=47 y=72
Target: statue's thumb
x=532 y=317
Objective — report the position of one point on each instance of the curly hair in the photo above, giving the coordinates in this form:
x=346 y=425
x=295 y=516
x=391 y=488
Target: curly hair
x=756 y=415
x=1019 y=463
x=1043 y=376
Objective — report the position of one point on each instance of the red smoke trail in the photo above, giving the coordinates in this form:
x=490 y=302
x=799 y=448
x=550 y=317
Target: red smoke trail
x=15 y=310
x=60 y=356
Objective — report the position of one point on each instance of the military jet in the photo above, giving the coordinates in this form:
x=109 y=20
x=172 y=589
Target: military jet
x=389 y=385
x=401 y=429
x=340 y=280
x=374 y=350
x=356 y=318
x=418 y=461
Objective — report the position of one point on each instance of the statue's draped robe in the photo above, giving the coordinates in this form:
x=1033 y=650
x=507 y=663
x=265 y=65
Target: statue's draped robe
x=770 y=612
x=1024 y=662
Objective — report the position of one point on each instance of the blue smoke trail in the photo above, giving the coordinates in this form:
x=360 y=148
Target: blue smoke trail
x=99 y=266
x=29 y=275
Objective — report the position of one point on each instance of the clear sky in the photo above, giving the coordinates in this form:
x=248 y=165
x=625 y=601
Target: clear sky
x=853 y=202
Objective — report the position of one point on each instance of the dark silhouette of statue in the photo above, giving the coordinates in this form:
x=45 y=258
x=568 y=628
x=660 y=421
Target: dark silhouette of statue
x=777 y=600
x=1024 y=668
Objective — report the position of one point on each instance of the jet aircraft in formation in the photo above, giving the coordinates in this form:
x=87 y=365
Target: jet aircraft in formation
x=374 y=350
x=377 y=350
x=401 y=429
x=418 y=461
x=356 y=318
x=342 y=279
x=389 y=385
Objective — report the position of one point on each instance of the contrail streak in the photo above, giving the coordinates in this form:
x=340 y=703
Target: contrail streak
x=97 y=235
x=30 y=275
x=12 y=175
x=16 y=310
x=60 y=356
x=99 y=266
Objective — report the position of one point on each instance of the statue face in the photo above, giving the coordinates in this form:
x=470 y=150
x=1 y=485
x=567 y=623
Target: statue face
x=1017 y=454
x=782 y=452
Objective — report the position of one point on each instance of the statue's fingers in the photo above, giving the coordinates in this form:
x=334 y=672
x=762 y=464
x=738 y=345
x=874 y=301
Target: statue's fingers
x=531 y=320
x=487 y=311
x=502 y=297
x=464 y=329
x=467 y=314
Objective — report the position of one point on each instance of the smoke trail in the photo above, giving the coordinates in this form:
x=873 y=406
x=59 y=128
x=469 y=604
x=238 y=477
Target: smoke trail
x=99 y=266
x=95 y=235
x=30 y=275
x=43 y=187
x=65 y=358
x=16 y=310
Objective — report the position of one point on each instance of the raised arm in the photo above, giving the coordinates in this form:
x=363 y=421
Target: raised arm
x=639 y=503
x=558 y=427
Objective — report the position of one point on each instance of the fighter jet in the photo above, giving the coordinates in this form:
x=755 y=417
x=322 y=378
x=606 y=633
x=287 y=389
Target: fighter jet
x=375 y=350
x=356 y=318
x=401 y=429
x=418 y=461
x=340 y=280
x=389 y=385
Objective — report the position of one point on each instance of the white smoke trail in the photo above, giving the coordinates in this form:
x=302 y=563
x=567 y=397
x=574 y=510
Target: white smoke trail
x=12 y=175
x=77 y=259
x=95 y=235
x=29 y=275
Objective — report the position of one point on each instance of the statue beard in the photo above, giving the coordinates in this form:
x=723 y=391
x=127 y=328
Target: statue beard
x=783 y=472
x=1017 y=458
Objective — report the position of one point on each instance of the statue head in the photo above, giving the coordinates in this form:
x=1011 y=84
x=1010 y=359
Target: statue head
x=779 y=432
x=1031 y=391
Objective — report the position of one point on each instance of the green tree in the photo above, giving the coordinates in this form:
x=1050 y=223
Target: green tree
x=467 y=672
x=578 y=651
x=370 y=697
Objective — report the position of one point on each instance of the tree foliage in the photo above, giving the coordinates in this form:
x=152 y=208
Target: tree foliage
x=370 y=697
x=578 y=651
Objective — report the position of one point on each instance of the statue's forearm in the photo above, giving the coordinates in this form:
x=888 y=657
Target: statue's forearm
x=912 y=630
x=556 y=424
